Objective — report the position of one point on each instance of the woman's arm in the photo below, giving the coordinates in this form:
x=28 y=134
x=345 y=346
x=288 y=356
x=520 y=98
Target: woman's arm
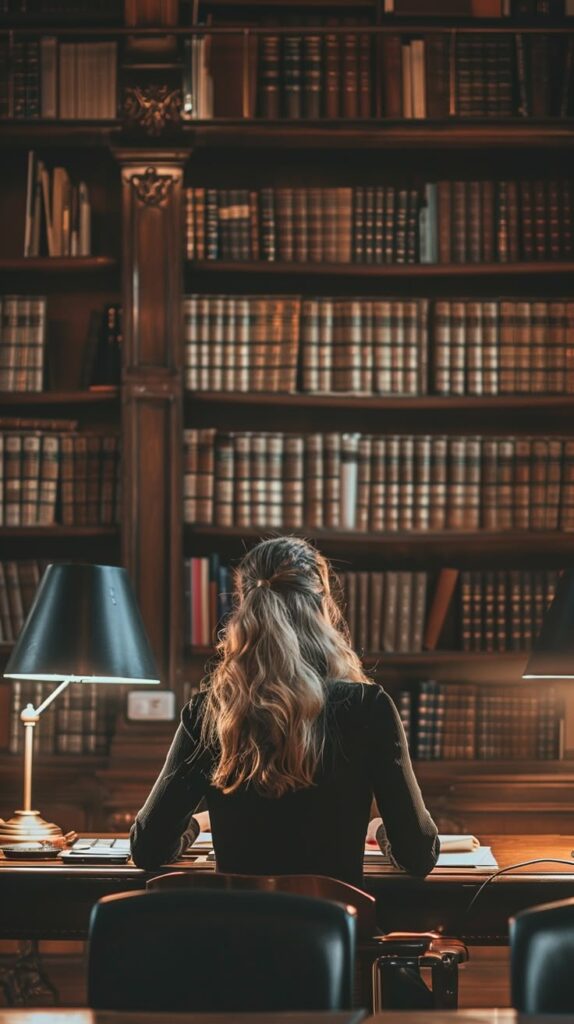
x=165 y=825
x=408 y=826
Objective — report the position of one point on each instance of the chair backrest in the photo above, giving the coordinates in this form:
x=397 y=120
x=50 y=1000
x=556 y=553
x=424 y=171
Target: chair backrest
x=542 y=958
x=220 y=951
x=319 y=886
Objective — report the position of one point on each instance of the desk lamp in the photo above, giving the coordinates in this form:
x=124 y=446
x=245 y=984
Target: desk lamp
x=83 y=627
x=552 y=656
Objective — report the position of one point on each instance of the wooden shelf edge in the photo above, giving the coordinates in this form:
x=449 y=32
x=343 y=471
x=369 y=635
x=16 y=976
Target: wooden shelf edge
x=59 y=531
x=379 y=270
x=258 y=133
x=456 y=403
x=48 y=398
x=553 y=540
x=520 y=770
x=371 y=133
x=56 y=264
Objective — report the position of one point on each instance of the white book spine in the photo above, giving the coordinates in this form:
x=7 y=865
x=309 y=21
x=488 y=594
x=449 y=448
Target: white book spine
x=49 y=76
x=349 y=481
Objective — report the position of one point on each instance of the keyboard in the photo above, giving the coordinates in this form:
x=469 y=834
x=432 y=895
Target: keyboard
x=97 y=850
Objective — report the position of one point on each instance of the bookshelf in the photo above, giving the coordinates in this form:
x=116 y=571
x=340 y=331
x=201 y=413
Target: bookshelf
x=138 y=174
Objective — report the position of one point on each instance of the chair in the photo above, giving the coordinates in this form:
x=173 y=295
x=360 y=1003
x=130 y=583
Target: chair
x=193 y=950
x=542 y=958
x=388 y=967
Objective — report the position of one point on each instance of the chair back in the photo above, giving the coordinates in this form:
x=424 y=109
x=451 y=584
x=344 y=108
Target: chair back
x=318 y=886
x=220 y=951
x=542 y=958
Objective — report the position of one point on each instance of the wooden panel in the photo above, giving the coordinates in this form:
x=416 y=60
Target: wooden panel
x=152 y=249
x=152 y=544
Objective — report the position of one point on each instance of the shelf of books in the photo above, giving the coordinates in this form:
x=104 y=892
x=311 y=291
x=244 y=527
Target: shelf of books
x=376 y=347
x=366 y=339
x=60 y=443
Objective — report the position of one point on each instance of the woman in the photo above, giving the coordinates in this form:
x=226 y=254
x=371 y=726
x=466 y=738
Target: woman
x=290 y=741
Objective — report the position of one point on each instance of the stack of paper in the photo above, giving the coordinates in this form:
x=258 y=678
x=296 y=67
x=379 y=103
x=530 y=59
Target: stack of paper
x=457 y=851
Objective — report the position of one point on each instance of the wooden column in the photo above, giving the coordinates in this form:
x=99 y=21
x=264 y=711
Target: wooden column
x=152 y=395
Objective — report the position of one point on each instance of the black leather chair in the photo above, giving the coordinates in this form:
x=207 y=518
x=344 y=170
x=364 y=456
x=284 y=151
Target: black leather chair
x=388 y=969
x=542 y=958
x=194 y=950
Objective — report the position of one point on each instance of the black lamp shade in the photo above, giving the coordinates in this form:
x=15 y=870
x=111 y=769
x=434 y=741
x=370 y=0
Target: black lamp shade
x=84 y=624
x=552 y=656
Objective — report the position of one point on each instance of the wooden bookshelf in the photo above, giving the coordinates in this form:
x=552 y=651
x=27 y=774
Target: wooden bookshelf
x=138 y=180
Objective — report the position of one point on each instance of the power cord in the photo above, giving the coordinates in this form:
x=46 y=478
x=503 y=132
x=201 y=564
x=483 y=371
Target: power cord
x=511 y=867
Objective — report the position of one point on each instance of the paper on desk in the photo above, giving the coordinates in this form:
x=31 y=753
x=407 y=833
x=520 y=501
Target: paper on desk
x=458 y=843
x=481 y=857
x=203 y=839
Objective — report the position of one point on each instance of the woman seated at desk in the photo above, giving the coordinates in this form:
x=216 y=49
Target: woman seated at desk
x=289 y=742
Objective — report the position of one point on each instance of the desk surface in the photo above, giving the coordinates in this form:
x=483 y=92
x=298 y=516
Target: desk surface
x=63 y=1015
x=72 y=1016
x=49 y=899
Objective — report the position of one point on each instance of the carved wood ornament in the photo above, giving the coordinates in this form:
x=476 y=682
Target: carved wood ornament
x=152 y=107
x=151 y=188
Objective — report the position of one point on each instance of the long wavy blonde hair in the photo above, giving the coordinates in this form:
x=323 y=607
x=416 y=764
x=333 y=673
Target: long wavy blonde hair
x=284 y=639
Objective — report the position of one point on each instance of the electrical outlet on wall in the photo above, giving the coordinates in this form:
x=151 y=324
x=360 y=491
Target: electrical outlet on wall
x=144 y=706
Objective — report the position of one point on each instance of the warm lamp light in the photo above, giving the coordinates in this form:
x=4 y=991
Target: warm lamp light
x=84 y=627
x=552 y=656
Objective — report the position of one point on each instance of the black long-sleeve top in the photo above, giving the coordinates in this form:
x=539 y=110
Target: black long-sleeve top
x=317 y=830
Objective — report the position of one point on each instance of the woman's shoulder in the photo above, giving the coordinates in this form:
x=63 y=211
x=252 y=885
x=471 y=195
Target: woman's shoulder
x=354 y=696
x=192 y=712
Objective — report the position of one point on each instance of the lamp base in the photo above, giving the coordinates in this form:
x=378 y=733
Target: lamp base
x=27 y=827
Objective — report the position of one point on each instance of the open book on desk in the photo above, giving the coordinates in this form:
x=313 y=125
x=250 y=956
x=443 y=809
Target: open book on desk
x=456 y=851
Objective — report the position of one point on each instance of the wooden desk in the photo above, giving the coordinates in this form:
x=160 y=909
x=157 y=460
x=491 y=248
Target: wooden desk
x=73 y=1016
x=79 y=1016
x=51 y=900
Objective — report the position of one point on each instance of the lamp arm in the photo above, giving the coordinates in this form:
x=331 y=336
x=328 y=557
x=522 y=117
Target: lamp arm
x=30 y=714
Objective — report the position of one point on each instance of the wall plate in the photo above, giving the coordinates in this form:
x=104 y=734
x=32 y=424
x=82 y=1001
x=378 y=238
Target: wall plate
x=144 y=706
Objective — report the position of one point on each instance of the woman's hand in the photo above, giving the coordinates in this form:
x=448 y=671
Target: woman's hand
x=371 y=837
x=202 y=819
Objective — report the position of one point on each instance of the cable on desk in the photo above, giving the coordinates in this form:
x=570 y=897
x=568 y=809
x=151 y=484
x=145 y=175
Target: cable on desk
x=511 y=867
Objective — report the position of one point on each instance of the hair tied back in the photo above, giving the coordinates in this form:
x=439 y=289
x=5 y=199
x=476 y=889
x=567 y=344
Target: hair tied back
x=263 y=583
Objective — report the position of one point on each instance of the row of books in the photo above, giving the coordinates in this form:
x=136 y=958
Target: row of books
x=457 y=721
x=22 y=342
x=385 y=611
x=496 y=222
x=45 y=77
x=364 y=482
x=503 y=610
x=207 y=598
x=363 y=75
x=400 y=612
x=81 y=721
x=58 y=213
x=94 y=8
x=538 y=9
x=18 y=583
x=50 y=476
x=446 y=222
x=478 y=75
x=378 y=346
